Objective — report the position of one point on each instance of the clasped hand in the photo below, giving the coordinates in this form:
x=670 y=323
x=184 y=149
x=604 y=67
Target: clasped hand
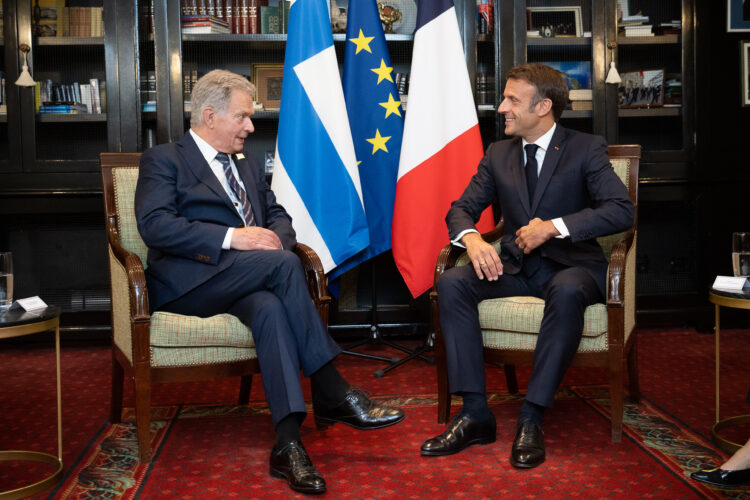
x=534 y=234
x=254 y=238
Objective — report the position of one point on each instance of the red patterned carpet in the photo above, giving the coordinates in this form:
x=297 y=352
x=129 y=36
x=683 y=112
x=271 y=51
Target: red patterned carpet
x=208 y=448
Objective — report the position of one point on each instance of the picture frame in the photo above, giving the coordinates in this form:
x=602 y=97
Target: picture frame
x=267 y=78
x=738 y=15
x=577 y=74
x=641 y=89
x=555 y=21
x=745 y=74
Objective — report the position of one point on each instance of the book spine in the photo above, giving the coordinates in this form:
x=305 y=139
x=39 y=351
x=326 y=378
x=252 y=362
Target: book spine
x=253 y=20
x=229 y=13
x=243 y=17
x=211 y=8
x=220 y=12
x=95 y=94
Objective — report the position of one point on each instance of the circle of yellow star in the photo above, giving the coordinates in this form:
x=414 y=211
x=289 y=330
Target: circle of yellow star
x=378 y=142
x=392 y=106
x=362 y=42
x=383 y=72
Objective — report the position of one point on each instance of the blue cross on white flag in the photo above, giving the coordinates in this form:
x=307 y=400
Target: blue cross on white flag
x=315 y=173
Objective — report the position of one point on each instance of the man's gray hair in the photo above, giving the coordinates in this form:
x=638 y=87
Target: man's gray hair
x=214 y=90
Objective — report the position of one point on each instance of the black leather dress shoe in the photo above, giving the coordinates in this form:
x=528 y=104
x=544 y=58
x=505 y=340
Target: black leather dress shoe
x=291 y=462
x=528 y=445
x=357 y=410
x=721 y=477
x=464 y=431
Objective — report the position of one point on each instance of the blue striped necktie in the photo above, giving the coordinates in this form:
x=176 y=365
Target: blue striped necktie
x=240 y=193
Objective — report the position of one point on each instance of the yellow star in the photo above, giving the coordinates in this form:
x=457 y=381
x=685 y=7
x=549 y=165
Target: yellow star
x=362 y=42
x=378 y=142
x=392 y=106
x=383 y=72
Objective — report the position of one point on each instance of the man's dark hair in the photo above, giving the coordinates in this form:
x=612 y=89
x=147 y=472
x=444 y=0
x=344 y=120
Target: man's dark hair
x=549 y=84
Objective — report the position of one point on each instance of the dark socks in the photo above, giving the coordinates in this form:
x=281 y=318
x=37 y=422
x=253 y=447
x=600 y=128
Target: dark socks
x=475 y=405
x=328 y=386
x=533 y=411
x=288 y=429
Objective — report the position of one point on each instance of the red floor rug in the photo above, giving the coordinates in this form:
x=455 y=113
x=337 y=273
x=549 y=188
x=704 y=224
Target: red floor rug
x=222 y=451
x=205 y=447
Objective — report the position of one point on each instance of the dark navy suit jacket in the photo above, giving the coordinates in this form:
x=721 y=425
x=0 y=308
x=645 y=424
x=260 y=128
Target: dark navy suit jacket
x=576 y=182
x=183 y=214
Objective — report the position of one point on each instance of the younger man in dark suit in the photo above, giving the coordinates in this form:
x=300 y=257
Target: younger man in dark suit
x=219 y=243
x=554 y=207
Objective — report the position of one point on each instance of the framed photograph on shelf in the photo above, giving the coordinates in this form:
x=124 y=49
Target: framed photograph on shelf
x=745 y=64
x=577 y=74
x=267 y=78
x=738 y=15
x=641 y=89
x=555 y=21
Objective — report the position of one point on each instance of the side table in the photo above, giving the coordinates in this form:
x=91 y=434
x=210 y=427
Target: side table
x=17 y=324
x=736 y=300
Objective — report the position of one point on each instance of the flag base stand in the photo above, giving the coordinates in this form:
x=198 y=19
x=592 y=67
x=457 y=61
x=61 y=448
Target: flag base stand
x=376 y=338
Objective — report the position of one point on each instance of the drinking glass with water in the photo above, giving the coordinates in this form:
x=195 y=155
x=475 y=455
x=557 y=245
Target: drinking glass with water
x=6 y=280
x=741 y=254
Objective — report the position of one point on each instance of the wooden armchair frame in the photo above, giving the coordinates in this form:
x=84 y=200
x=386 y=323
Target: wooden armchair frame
x=140 y=369
x=617 y=301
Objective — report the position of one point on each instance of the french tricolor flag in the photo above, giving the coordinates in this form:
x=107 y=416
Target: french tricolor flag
x=441 y=145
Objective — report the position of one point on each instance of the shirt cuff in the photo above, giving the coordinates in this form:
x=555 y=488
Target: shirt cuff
x=457 y=240
x=561 y=228
x=227 y=244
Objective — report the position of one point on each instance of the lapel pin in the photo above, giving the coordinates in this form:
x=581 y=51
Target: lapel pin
x=241 y=156
x=556 y=148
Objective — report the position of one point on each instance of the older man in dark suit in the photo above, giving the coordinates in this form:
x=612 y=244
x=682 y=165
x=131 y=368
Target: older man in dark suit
x=557 y=192
x=220 y=243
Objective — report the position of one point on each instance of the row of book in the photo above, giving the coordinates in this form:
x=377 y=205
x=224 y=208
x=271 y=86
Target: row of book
x=639 y=25
x=148 y=91
x=485 y=91
x=74 y=98
x=57 y=20
x=3 y=106
x=581 y=99
x=236 y=16
x=485 y=25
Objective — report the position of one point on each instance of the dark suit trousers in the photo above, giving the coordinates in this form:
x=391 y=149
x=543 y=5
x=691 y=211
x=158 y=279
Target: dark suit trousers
x=267 y=291
x=567 y=291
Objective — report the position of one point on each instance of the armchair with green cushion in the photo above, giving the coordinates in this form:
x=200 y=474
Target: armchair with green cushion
x=510 y=325
x=167 y=347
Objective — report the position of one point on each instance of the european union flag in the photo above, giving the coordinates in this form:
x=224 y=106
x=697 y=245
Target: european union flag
x=376 y=120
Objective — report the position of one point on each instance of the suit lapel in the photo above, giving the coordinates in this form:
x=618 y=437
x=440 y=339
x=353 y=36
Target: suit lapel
x=251 y=188
x=551 y=159
x=193 y=158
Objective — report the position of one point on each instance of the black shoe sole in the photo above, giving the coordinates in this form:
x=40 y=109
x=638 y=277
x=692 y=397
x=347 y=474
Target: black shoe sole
x=522 y=465
x=310 y=491
x=479 y=441
x=322 y=423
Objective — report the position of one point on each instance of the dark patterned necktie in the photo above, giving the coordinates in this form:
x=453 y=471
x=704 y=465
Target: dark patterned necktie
x=234 y=184
x=532 y=169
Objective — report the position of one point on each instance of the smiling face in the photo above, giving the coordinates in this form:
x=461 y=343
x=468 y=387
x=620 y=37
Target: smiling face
x=226 y=131
x=523 y=117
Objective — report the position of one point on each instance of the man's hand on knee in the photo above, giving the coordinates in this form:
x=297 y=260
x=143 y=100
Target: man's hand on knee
x=483 y=257
x=254 y=238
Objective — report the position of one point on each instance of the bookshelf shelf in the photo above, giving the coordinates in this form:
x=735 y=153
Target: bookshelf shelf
x=230 y=37
x=70 y=40
x=648 y=40
x=66 y=118
x=577 y=113
x=559 y=41
x=649 y=112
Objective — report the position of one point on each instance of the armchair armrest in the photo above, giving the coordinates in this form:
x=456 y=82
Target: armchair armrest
x=618 y=267
x=135 y=273
x=317 y=282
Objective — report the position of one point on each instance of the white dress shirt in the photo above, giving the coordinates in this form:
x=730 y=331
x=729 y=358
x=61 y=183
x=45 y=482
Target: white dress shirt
x=209 y=153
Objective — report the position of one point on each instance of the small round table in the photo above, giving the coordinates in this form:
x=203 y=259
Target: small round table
x=736 y=300
x=17 y=324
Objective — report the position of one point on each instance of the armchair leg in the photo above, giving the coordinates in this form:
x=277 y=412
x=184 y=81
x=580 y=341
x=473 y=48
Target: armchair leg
x=115 y=406
x=634 y=384
x=246 y=383
x=616 y=391
x=510 y=378
x=143 y=413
